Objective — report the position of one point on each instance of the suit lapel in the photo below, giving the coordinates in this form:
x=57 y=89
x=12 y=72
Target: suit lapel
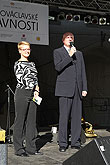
x=64 y=51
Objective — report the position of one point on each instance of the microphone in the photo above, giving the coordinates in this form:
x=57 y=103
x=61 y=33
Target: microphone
x=71 y=44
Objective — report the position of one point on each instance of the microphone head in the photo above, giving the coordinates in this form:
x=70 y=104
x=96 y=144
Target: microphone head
x=71 y=44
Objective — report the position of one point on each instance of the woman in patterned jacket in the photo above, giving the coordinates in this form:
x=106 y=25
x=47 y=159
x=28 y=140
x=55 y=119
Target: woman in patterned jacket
x=25 y=108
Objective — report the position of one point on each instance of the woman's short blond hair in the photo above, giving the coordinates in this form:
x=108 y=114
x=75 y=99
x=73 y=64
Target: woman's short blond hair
x=23 y=43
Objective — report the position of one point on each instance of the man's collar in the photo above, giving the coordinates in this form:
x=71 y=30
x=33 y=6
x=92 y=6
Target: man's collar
x=67 y=48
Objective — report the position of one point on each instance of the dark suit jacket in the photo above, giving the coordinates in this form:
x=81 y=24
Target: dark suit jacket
x=66 y=81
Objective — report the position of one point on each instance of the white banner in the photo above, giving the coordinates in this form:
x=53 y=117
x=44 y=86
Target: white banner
x=22 y=21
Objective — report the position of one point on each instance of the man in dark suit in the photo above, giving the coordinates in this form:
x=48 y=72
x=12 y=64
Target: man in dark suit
x=71 y=86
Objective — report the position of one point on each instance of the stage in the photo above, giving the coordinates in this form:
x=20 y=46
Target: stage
x=48 y=145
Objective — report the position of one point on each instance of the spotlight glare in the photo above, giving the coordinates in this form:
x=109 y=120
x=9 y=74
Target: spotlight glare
x=102 y=21
x=76 y=18
x=69 y=17
x=87 y=19
x=95 y=20
x=61 y=16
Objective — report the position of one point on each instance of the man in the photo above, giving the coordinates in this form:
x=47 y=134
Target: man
x=71 y=86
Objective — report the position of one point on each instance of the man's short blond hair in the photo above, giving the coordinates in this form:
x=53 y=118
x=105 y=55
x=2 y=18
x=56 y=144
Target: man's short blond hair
x=23 y=43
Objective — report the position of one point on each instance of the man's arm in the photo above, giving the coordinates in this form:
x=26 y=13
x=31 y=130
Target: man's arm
x=61 y=63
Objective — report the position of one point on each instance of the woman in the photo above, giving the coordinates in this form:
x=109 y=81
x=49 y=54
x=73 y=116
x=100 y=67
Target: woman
x=25 y=108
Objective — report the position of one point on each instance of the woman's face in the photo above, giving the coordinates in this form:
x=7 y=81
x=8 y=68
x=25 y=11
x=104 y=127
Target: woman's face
x=24 y=50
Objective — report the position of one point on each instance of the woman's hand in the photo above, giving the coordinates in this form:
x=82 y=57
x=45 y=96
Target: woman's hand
x=36 y=92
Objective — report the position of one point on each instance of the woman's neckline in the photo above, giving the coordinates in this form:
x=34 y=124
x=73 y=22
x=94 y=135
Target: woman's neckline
x=23 y=61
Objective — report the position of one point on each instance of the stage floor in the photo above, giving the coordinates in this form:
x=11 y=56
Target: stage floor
x=48 y=145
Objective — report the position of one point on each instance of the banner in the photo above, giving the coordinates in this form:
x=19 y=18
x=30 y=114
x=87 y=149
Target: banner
x=22 y=21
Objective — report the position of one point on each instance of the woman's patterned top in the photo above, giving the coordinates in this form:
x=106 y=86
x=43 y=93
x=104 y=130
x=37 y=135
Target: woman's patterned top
x=26 y=74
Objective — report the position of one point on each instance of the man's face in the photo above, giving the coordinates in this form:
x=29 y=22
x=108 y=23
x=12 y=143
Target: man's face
x=67 y=40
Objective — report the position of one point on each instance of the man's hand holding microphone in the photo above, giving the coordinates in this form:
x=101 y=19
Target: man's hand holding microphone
x=72 y=49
